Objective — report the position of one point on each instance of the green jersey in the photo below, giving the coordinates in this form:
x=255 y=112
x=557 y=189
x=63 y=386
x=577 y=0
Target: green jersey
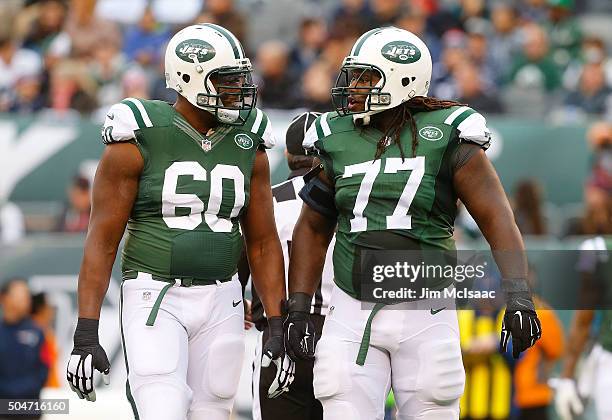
x=601 y=270
x=390 y=202
x=192 y=190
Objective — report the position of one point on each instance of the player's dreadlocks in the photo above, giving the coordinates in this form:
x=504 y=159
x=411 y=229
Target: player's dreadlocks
x=405 y=114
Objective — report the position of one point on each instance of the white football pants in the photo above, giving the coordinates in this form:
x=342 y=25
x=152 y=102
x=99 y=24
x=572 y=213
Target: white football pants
x=187 y=365
x=595 y=381
x=415 y=350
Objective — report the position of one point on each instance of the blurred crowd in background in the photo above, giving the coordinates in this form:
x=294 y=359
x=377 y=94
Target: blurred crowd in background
x=532 y=57
x=547 y=59
x=544 y=59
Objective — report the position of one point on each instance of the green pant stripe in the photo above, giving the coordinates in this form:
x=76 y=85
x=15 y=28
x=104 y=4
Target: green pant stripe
x=157 y=304
x=367 y=332
x=136 y=112
x=128 y=391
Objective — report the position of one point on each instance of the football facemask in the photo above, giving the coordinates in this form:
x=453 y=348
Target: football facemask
x=359 y=84
x=232 y=90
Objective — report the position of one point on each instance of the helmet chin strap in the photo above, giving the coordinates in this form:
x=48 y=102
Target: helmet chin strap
x=227 y=116
x=223 y=115
x=365 y=117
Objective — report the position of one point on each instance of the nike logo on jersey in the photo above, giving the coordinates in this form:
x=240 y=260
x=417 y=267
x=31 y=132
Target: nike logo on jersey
x=234 y=303
x=435 y=311
x=110 y=116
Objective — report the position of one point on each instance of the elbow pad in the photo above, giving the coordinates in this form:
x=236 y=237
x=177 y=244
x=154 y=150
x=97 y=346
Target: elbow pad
x=319 y=197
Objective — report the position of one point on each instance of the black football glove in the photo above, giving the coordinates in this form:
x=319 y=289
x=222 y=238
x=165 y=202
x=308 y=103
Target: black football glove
x=273 y=348
x=299 y=329
x=520 y=319
x=86 y=356
x=273 y=353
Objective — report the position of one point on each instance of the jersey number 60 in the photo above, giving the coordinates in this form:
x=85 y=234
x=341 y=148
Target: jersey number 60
x=171 y=199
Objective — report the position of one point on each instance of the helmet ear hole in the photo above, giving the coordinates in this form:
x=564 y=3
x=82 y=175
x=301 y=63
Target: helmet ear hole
x=407 y=80
x=186 y=78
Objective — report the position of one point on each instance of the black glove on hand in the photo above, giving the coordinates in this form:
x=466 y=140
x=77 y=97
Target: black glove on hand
x=86 y=356
x=273 y=347
x=299 y=329
x=273 y=353
x=520 y=319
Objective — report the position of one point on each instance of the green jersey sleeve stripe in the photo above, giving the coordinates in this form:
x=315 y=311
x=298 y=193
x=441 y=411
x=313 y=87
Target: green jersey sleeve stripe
x=325 y=125
x=449 y=120
x=137 y=116
x=141 y=110
x=257 y=122
x=264 y=125
x=464 y=115
x=318 y=128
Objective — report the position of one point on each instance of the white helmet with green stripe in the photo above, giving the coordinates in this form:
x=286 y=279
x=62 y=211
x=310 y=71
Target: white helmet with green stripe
x=199 y=55
x=402 y=61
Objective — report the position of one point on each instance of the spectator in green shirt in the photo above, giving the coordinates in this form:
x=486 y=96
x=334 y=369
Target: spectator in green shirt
x=533 y=68
x=563 y=31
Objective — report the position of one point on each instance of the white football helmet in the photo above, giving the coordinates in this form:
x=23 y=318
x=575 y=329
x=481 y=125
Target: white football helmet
x=402 y=61
x=200 y=53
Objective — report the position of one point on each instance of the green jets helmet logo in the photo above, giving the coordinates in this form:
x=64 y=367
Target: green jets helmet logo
x=243 y=141
x=195 y=50
x=431 y=133
x=401 y=52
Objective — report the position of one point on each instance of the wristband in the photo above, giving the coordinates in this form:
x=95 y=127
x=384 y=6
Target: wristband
x=276 y=326
x=86 y=333
x=518 y=295
x=515 y=285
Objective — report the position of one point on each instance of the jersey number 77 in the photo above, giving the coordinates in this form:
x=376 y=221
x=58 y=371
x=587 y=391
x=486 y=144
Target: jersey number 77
x=399 y=219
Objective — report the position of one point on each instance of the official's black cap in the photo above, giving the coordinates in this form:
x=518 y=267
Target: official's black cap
x=296 y=131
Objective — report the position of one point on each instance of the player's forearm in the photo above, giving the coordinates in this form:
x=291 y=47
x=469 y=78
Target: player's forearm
x=576 y=341
x=268 y=273
x=94 y=276
x=308 y=250
x=507 y=245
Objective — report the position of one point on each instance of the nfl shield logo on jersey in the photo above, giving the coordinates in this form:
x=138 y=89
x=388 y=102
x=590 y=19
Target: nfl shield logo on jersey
x=146 y=296
x=206 y=145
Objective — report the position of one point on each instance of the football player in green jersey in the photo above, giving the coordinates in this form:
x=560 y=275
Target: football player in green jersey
x=182 y=178
x=393 y=164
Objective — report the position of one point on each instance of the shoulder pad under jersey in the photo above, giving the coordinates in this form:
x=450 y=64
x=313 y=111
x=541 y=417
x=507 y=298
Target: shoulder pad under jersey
x=471 y=125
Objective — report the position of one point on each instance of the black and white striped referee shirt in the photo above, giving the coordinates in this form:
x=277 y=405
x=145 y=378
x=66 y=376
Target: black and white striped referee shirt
x=287 y=207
